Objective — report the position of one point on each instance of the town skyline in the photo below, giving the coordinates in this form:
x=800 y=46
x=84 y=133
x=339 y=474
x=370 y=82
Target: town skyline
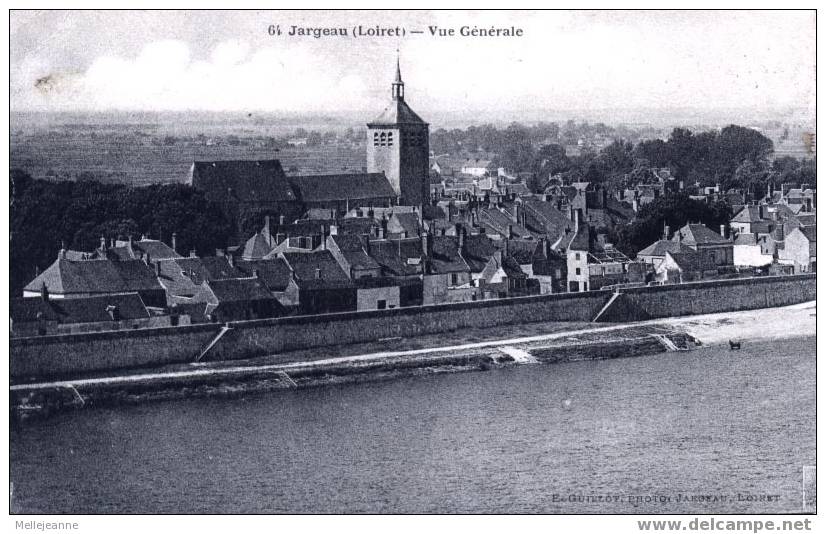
x=656 y=61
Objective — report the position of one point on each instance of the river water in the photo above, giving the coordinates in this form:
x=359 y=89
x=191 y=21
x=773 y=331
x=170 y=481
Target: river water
x=710 y=430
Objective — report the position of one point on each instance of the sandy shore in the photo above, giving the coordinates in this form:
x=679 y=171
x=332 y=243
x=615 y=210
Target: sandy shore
x=763 y=324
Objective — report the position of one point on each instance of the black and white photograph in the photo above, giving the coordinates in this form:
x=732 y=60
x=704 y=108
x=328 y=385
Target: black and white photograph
x=413 y=262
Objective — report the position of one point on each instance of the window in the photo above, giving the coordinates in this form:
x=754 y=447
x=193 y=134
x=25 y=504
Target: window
x=381 y=304
x=577 y=271
x=376 y=139
x=454 y=279
x=383 y=139
x=576 y=257
x=390 y=139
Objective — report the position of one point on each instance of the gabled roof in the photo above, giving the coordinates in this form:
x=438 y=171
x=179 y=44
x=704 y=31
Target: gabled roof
x=692 y=261
x=67 y=277
x=398 y=257
x=699 y=234
x=408 y=221
x=332 y=187
x=208 y=268
x=398 y=112
x=315 y=268
x=499 y=222
x=274 y=272
x=78 y=310
x=352 y=248
x=523 y=251
x=248 y=180
x=257 y=247
x=659 y=248
x=240 y=290
x=544 y=218
x=748 y=214
x=477 y=250
x=446 y=257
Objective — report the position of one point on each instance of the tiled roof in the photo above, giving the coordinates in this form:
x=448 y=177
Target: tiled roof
x=95 y=276
x=499 y=222
x=543 y=217
x=79 y=310
x=398 y=112
x=693 y=261
x=408 y=221
x=698 y=234
x=257 y=247
x=446 y=257
x=208 y=268
x=523 y=251
x=304 y=266
x=477 y=251
x=250 y=180
x=240 y=290
x=331 y=187
x=659 y=248
x=398 y=257
x=275 y=273
x=748 y=214
x=352 y=248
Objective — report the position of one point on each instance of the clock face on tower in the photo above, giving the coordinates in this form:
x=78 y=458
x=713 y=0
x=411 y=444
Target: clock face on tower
x=398 y=146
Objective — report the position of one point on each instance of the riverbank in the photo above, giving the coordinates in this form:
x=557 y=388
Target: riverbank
x=435 y=354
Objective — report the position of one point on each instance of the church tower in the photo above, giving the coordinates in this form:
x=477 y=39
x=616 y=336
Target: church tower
x=398 y=145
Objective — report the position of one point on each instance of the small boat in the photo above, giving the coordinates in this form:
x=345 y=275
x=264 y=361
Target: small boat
x=733 y=345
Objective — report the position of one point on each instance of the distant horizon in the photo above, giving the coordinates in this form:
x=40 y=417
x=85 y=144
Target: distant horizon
x=562 y=60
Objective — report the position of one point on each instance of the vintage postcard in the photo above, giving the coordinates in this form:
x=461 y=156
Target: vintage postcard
x=413 y=262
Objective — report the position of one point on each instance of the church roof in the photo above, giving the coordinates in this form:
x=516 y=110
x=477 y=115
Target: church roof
x=249 y=180
x=320 y=188
x=398 y=112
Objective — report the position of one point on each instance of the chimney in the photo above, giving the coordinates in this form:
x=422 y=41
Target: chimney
x=219 y=252
x=333 y=229
x=281 y=220
x=44 y=292
x=576 y=220
x=723 y=230
x=102 y=243
x=174 y=242
x=425 y=243
x=460 y=231
x=157 y=269
x=256 y=273
x=666 y=232
x=515 y=216
x=192 y=254
x=317 y=273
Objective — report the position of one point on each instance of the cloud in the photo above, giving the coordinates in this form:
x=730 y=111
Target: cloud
x=164 y=76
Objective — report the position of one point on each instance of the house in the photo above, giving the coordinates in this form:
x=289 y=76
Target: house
x=654 y=254
x=382 y=293
x=479 y=167
x=274 y=273
x=679 y=267
x=753 y=250
x=88 y=278
x=318 y=284
x=239 y=299
x=751 y=220
x=800 y=249
x=593 y=265
x=46 y=316
x=700 y=239
x=182 y=278
x=446 y=276
x=149 y=249
x=502 y=277
x=351 y=254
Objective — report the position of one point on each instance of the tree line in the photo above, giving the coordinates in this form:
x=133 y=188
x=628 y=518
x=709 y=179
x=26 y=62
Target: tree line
x=47 y=215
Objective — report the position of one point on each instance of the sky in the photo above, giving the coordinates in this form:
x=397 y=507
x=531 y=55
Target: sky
x=227 y=61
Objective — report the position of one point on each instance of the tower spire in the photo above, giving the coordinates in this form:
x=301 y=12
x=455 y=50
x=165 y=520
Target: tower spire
x=398 y=84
